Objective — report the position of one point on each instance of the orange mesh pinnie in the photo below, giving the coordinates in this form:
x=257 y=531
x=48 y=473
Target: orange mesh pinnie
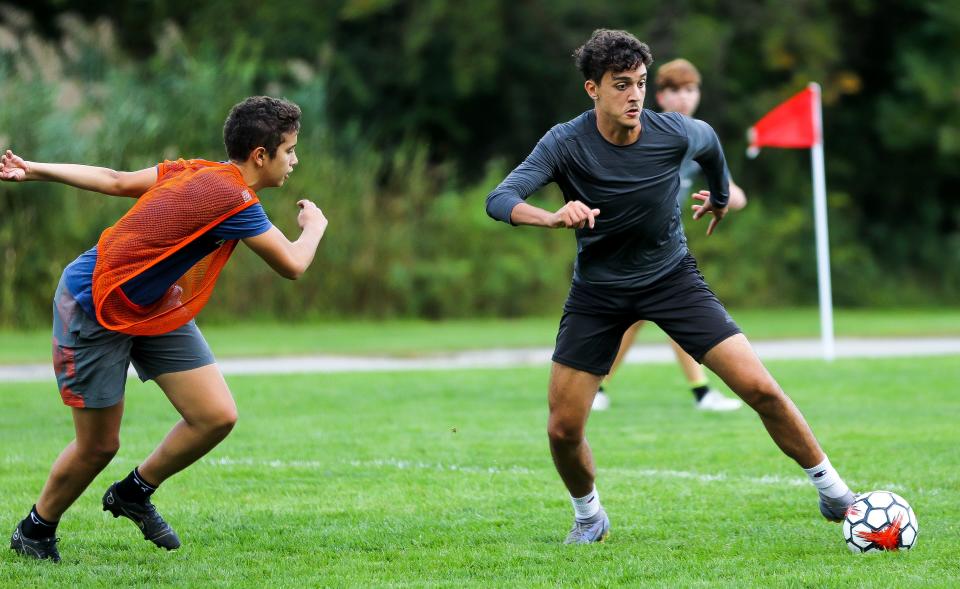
x=189 y=199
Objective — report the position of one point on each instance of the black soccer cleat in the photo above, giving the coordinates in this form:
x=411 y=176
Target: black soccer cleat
x=145 y=515
x=43 y=549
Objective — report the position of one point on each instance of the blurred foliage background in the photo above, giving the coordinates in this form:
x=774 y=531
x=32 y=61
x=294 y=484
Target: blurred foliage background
x=414 y=111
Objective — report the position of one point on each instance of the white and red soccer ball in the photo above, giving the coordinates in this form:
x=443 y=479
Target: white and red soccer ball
x=880 y=521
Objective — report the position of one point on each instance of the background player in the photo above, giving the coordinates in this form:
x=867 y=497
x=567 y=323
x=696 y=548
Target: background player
x=678 y=90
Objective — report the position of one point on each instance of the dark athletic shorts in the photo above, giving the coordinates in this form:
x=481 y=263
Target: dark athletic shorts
x=681 y=304
x=91 y=361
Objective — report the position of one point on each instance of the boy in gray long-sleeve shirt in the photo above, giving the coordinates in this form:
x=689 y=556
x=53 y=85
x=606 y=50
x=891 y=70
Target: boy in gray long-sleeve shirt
x=618 y=167
x=638 y=237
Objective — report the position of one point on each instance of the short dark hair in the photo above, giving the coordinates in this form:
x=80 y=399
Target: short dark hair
x=259 y=121
x=610 y=50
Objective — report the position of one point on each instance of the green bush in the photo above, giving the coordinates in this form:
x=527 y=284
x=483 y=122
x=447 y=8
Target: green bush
x=408 y=234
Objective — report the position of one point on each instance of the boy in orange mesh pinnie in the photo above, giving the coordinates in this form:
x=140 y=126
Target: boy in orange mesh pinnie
x=133 y=297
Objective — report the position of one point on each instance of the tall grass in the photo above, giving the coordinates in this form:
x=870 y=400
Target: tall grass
x=401 y=241
x=407 y=238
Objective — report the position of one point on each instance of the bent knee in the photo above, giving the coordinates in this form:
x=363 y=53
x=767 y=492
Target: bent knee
x=565 y=433
x=762 y=395
x=101 y=451
x=219 y=417
x=221 y=422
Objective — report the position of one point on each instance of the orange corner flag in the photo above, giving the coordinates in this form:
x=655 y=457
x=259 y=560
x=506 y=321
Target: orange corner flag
x=791 y=124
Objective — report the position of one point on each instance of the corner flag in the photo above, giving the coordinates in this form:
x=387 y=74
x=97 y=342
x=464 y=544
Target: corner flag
x=789 y=125
x=797 y=123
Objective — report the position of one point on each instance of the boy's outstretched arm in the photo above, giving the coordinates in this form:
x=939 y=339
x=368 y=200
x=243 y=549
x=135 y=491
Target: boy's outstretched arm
x=13 y=168
x=291 y=259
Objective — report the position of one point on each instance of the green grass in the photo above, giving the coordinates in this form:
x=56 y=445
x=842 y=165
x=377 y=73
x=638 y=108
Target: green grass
x=408 y=338
x=444 y=479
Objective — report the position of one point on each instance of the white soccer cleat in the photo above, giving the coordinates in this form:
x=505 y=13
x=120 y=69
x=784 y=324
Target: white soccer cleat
x=594 y=530
x=714 y=400
x=601 y=402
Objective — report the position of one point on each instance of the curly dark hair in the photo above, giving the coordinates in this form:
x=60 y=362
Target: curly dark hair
x=259 y=121
x=610 y=50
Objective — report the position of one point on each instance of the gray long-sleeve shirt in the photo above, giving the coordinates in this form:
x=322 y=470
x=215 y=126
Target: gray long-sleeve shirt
x=638 y=236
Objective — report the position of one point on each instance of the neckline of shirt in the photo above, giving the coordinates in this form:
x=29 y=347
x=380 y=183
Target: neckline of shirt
x=592 y=115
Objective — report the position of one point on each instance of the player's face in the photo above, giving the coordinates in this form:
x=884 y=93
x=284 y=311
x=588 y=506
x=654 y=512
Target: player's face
x=683 y=100
x=619 y=96
x=279 y=167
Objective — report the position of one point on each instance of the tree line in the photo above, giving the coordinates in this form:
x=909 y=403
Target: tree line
x=413 y=111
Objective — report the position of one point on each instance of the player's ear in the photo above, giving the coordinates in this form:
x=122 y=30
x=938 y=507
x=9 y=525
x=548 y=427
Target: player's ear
x=259 y=156
x=591 y=87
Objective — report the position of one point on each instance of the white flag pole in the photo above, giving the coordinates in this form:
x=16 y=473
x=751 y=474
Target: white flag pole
x=820 y=217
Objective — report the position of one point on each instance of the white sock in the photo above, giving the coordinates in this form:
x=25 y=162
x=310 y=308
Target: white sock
x=825 y=478
x=587 y=506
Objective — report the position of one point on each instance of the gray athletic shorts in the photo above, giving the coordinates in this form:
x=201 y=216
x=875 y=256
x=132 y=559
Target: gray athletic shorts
x=91 y=361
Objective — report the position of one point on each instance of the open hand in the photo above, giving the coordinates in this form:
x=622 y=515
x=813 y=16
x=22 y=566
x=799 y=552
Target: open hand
x=700 y=210
x=12 y=167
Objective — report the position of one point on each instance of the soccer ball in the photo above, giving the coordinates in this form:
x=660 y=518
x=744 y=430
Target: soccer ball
x=880 y=520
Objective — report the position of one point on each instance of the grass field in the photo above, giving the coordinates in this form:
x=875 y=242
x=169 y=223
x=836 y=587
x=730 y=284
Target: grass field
x=410 y=338
x=443 y=479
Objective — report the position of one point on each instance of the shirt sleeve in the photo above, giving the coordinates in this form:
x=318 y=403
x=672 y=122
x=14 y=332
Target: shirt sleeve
x=705 y=149
x=536 y=171
x=249 y=222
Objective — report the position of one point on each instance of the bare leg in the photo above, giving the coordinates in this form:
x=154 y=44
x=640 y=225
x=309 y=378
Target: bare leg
x=570 y=395
x=734 y=361
x=692 y=370
x=97 y=442
x=209 y=413
x=628 y=338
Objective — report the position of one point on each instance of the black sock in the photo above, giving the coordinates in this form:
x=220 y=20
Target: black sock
x=700 y=391
x=134 y=488
x=37 y=528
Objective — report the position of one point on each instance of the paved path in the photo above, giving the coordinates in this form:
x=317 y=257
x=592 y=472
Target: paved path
x=503 y=358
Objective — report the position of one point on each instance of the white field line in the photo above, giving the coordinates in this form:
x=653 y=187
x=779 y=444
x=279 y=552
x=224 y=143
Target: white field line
x=420 y=465
x=372 y=464
x=645 y=473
